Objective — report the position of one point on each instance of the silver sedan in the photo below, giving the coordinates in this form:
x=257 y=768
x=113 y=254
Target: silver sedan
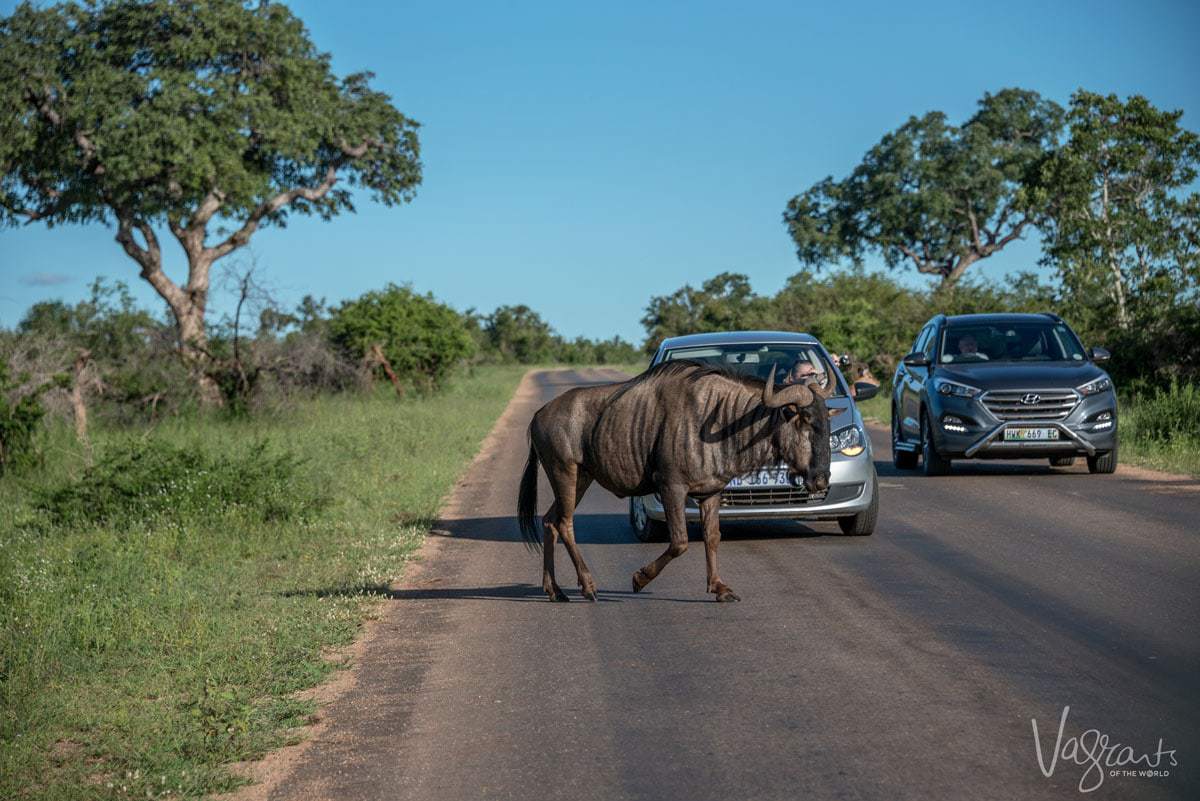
x=852 y=498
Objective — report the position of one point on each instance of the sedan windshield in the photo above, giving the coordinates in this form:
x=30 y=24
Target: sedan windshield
x=792 y=363
x=1010 y=342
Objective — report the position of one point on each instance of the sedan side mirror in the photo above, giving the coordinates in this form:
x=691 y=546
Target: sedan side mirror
x=864 y=390
x=1099 y=354
x=916 y=359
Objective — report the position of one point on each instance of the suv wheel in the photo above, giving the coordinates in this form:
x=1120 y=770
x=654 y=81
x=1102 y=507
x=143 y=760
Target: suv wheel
x=646 y=528
x=934 y=463
x=902 y=459
x=863 y=523
x=1062 y=461
x=1103 y=462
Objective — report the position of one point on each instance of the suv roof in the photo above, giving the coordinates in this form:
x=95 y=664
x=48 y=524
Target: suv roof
x=739 y=338
x=969 y=319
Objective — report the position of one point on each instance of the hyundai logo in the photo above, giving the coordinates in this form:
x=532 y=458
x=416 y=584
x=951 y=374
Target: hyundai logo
x=1031 y=398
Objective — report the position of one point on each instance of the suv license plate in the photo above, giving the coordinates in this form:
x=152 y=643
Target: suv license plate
x=1030 y=434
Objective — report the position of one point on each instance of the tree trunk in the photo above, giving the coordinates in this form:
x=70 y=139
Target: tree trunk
x=188 y=302
x=79 y=405
x=193 y=347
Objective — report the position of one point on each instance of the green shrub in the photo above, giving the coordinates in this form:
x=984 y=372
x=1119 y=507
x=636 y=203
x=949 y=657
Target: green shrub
x=1164 y=415
x=142 y=482
x=19 y=420
x=423 y=339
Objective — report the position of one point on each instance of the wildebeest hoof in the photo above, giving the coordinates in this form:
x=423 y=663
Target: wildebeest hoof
x=590 y=594
x=727 y=595
x=559 y=595
x=639 y=581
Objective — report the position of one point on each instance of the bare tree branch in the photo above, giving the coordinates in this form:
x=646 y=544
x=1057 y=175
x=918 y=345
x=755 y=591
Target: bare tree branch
x=310 y=193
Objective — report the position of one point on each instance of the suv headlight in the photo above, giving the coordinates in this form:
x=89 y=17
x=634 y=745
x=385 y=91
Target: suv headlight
x=944 y=386
x=847 y=441
x=1095 y=387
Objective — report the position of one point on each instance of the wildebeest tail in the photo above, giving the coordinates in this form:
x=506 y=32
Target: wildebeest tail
x=527 y=502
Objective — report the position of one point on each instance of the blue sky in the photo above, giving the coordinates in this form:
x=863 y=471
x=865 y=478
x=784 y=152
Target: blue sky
x=580 y=158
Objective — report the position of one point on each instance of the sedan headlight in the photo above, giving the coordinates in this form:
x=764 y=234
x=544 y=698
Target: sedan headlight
x=944 y=386
x=847 y=441
x=1095 y=387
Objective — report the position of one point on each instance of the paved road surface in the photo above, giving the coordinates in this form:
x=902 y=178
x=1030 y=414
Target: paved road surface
x=904 y=665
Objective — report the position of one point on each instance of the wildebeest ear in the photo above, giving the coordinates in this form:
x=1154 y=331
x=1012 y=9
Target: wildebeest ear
x=836 y=412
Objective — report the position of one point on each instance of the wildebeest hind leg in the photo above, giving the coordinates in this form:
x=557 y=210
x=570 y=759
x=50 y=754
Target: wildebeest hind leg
x=566 y=528
x=549 y=536
x=673 y=501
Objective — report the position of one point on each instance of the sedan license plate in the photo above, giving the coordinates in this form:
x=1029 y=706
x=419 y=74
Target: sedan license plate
x=766 y=477
x=1030 y=434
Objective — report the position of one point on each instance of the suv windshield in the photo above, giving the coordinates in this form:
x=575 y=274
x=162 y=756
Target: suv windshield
x=792 y=362
x=1010 y=342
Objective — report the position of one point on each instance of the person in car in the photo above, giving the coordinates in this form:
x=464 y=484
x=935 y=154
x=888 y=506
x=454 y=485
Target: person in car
x=968 y=346
x=801 y=370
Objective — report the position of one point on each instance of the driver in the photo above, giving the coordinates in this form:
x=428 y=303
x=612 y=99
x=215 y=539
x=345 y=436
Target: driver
x=968 y=346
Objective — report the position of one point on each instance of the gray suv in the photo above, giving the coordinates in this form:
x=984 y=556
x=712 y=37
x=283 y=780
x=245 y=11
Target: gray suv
x=852 y=498
x=1002 y=386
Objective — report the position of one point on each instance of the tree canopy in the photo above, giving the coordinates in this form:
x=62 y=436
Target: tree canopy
x=933 y=195
x=160 y=113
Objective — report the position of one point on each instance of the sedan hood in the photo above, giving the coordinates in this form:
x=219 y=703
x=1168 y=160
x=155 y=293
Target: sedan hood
x=1022 y=375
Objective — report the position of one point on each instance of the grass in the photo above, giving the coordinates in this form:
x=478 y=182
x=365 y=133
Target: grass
x=154 y=631
x=1160 y=430
x=878 y=409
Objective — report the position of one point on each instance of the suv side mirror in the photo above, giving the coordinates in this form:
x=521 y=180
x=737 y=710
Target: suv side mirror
x=916 y=359
x=864 y=390
x=1099 y=354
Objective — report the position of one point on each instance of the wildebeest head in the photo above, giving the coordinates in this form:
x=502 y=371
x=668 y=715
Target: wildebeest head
x=803 y=438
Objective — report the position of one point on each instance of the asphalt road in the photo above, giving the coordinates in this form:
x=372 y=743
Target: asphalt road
x=904 y=665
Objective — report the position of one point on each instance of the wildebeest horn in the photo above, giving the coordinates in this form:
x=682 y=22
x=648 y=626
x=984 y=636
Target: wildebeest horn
x=797 y=394
x=825 y=392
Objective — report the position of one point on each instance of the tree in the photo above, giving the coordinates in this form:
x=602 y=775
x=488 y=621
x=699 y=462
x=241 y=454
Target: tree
x=939 y=197
x=724 y=302
x=1123 y=232
x=221 y=114
x=421 y=338
x=519 y=333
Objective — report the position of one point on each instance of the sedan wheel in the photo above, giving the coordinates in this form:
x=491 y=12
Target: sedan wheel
x=863 y=523
x=646 y=528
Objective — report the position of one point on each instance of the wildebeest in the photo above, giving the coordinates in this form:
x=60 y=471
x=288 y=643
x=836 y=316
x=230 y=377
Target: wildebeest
x=680 y=429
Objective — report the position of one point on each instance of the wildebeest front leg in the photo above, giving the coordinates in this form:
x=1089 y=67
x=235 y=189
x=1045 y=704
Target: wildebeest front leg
x=710 y=513
x=673 y=500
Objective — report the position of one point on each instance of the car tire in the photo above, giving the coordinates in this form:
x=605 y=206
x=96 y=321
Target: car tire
x=863 y=523
x=1103 y=462
x=1062 y=461
x=901 y=459
x=932 y=462
x=644 y=527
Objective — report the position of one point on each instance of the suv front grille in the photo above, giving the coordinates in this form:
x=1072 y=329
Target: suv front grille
x=1027 y=404
x=770 y=496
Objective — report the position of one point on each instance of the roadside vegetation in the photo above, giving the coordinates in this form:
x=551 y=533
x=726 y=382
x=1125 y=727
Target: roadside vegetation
x=159 y=607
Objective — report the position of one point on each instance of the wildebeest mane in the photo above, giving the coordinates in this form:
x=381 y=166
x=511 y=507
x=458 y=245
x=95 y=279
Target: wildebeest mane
x=693 y=370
